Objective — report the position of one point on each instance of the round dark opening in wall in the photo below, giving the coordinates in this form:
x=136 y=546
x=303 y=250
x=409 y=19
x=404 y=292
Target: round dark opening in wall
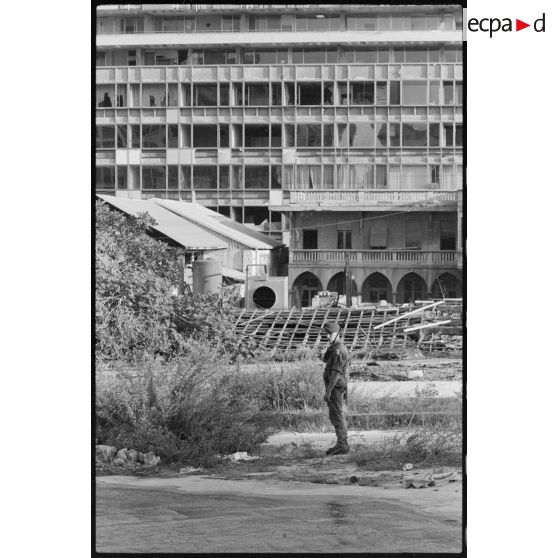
x=264 y=297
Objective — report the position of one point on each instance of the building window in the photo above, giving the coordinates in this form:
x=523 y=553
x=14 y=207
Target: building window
x=344 y=240
x=448 y=135
x=122 y=178
x=308 y=177
x=205 y=95
x=104 y=137
x=257 y=94
x=105 y=96
x=448 y=235
x=413 y=234
x=135 y=132
x=205 y=136
x=104 y=178
x=121 y=136
x=414 y=92
x=309 y=240
x=416 y=55
x=256 y=135
x=361 y=23
x=309 y=94
x=308 y=135
x=256 y=178
x=224 y=94
x=153 y=178
x=153 y=95
x=361 y=93
x=458 y=135
x=414 y=135
x=434 y=131
x=223 y=135
x=224 y=178
x=448 y=93
x=172 y=177
x=153 y=136
x=361 y=177
x=205 y=178
x=394 y=93
x=394 y=135
x=172 y=135
x=414 y=177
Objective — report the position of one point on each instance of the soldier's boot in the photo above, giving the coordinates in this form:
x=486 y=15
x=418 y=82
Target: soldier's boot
x=332 y=449
x=339 y=450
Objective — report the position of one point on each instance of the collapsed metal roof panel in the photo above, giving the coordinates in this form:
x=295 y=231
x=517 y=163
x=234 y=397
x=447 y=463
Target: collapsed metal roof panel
x=181 y=230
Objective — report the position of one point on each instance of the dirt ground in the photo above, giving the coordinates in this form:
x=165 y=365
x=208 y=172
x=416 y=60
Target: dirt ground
x=274 y=505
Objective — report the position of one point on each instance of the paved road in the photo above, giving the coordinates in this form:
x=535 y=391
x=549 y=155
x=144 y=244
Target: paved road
x=196 y=514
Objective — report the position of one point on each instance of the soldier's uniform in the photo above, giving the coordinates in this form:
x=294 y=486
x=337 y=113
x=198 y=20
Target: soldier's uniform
x=336 y=358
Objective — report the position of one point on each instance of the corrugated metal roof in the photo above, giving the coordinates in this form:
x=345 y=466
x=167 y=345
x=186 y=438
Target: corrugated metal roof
x=220 y=224
x=181 y=230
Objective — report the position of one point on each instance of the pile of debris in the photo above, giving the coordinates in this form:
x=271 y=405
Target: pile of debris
x=107 y=457
x=362 y=328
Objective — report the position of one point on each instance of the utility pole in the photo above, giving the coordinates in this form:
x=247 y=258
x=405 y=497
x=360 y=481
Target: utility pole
x=348 y=281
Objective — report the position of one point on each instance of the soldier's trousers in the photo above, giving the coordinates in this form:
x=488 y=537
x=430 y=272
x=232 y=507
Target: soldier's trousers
x=336 y=415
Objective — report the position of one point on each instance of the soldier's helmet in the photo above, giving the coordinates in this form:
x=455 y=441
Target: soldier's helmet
x=331 y=327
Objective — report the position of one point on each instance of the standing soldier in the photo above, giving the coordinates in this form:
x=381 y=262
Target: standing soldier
x=335 y=379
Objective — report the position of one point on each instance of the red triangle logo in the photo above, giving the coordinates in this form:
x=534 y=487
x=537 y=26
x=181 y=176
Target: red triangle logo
x=519 y=25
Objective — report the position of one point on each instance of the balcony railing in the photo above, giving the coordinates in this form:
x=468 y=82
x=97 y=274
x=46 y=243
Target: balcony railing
x=363 y=196
x=442 y=258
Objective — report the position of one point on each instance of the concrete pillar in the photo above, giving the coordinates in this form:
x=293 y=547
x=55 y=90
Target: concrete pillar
x=394 y=297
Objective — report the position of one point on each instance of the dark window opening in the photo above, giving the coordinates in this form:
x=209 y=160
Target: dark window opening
x=104 y=137
x=344 y=240
x=205 y=95
x=205 y=178
x=256 y=135
x=173 y=135
x=154 y=136
x=104 y=178
x=309 y=94
x=309 y=240
x=255 y=215
x=153 y=178
x=362 y=93
x=122 y=178
x=205 y=136
x=256 y=178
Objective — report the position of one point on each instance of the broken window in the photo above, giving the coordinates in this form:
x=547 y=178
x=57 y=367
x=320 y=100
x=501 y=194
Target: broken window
x=413 y=234
x=361 y=135
x=289 y=93
x=256 y=178
x=257 y=94
x=223 y=135
x=342 y=93
x=308 y=177
x=236 y=176
x=153 y=95
x=414 y=135
x=381 y=135
x=381 y=176
x=448 y=135
x=289 y=135
x=183 y=57
x=434 y=130
x=414 y=177
x=237 y=97
x=256 y=135
x=122 y=178
x=414 y=92
x=276 y=135
x=276 y=177
x=104 y=178
x=328 y=135
x=381 y=92
x=172 y=135
x=153 y=178
x=105 y=95
x=448 y=93
x=434 y=95
x=135 y=133
x=166 y=57
x=459 y=135
x=448 y=234
x=154 y=136
x=224 y=178
x=121 y=95
x=172 y=177
x=185 y=94
x=309 y=240
x=255 y=215
x=104 y=137
x=276 y=94
x=205 y=135
x=205 y=95
x=205 y=177
x=394 y=135
x=459 y=92
x=172 y=95
x=236 y=135
x=394 y=93
x=361 y=93
x=308 y=135
x=185 y=135
x=224 y=94
x=361 y=177
x=328 y=93
x=309 y=94
x=121 y=136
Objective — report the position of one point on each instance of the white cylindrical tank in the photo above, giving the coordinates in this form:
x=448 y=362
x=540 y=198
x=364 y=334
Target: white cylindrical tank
x=207 y=276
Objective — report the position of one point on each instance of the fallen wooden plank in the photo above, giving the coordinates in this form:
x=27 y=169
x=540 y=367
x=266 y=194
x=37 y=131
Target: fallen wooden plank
x=436 y=324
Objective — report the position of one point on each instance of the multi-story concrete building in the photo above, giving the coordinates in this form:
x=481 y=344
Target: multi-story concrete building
x=337 y=129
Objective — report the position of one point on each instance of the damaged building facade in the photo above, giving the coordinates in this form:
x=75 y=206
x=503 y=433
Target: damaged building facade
x=336 y=129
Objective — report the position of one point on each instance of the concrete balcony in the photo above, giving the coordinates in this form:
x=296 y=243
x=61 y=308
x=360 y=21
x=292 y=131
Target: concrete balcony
x=361 y=200
x=375 y=258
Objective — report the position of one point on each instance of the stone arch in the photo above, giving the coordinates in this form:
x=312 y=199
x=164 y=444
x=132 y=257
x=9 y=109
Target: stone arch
x=411 y=287
x=446 y=286
x=337 y=284
x=305 y=286
x=376 y=287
